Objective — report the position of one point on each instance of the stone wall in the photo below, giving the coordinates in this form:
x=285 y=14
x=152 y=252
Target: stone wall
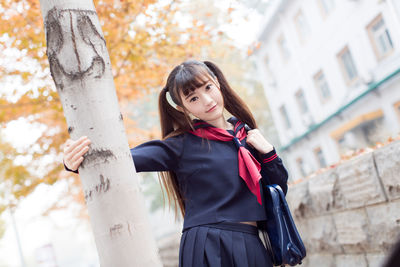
x=350 y=215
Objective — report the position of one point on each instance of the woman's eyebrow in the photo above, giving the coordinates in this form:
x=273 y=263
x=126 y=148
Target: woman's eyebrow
x=189 y=95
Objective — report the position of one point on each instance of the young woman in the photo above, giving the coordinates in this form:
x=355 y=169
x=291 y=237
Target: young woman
x=209 y=166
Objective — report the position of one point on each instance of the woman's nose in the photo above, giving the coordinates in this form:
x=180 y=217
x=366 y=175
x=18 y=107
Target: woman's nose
x=207 y=99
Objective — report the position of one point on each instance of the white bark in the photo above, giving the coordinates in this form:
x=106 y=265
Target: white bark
x=81 y=69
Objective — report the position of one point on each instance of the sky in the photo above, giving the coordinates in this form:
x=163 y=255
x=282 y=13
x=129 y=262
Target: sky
x=52 y=235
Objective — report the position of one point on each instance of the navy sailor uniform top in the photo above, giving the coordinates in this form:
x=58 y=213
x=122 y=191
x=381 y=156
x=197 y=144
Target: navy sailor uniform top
x=208 y=176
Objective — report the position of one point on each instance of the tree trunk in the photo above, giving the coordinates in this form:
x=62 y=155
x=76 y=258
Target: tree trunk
x=81 y=69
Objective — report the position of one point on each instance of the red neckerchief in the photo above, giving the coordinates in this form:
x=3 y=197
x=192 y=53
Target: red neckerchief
x=249 y=167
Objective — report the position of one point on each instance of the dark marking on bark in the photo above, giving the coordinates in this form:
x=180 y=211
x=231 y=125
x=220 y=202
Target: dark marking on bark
x=85 y=26
x=91 y=128
x=129 y=228
x=98 y=155
x=88 y=195
x=120 y=116
x=73 y=107
x=70 y=129
x=53 y=32
x=116 y=229
x=104 y=185
x=73 y=39
x=84 y=30
x=97 y=68
x=93 y=38
x=55 y=40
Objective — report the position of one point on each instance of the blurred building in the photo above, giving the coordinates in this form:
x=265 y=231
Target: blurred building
x=331 y=73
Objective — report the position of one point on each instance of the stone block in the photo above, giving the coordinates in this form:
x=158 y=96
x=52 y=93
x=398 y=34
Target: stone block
x=322 y=235
x=324 y=193
x=387 y=161
x=359 y=182
x=298 y=199
x=384 y=224
x=303 y=229
x=325 y=260
x=351 y=260
x=352 y=227
x=375 y=259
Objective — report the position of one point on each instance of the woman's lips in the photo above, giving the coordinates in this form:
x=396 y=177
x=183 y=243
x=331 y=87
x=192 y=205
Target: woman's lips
x=211 y=109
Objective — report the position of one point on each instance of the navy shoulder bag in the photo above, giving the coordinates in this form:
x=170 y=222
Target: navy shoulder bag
x=280 y=233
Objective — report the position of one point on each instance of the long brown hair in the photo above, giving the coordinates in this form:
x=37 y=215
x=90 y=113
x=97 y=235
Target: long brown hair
x=185 y=78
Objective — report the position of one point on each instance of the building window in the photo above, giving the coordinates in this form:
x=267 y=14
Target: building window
x=303 y=29
x=320 y=157
x=283 y=48
x=322 y=86
x=341 y=142
x=285 y=117
x=266 y=61
x=267 y=64
x=380 y=37
x=270 y=74
x=301 y=101
x=301 y=166
x=347 y=65
x=327 y=6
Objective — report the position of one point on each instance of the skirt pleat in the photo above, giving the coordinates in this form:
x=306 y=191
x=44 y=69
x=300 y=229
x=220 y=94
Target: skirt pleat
x=239 y=250
x=224 y=244
x=198 y=253
x=190 y=246
x=181 y=245
x=251 y=249
x=212 y=250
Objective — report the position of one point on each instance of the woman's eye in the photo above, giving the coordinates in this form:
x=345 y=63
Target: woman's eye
x=193 y=99
x=208 y=87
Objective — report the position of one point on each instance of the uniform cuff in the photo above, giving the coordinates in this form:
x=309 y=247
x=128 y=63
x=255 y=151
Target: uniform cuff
x=268 y=157
x=66 y=168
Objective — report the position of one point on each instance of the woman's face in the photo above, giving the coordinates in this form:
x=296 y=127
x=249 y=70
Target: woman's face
x=205 y=102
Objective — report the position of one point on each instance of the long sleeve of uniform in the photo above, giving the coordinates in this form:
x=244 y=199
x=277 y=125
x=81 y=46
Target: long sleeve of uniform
x=273 y=169
x=155 y=155
x=158 y=155
x=67 y=169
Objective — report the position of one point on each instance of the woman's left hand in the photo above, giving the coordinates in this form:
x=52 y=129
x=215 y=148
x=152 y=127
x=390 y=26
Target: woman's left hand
x=256 y=140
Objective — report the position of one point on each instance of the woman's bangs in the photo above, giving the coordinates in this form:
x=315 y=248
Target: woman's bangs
x=191 y=79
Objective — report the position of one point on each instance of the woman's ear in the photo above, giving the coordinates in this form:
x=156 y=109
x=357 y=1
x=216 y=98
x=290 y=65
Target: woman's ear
x=179 y=108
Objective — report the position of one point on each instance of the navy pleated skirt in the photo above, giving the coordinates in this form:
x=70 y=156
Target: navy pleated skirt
x=226 y=244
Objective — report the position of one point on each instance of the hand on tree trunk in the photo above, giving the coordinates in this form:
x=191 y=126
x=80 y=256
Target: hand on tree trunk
x=74 y=152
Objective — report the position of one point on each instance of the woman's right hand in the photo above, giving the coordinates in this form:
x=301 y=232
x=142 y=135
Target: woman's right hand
x=74 y=151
